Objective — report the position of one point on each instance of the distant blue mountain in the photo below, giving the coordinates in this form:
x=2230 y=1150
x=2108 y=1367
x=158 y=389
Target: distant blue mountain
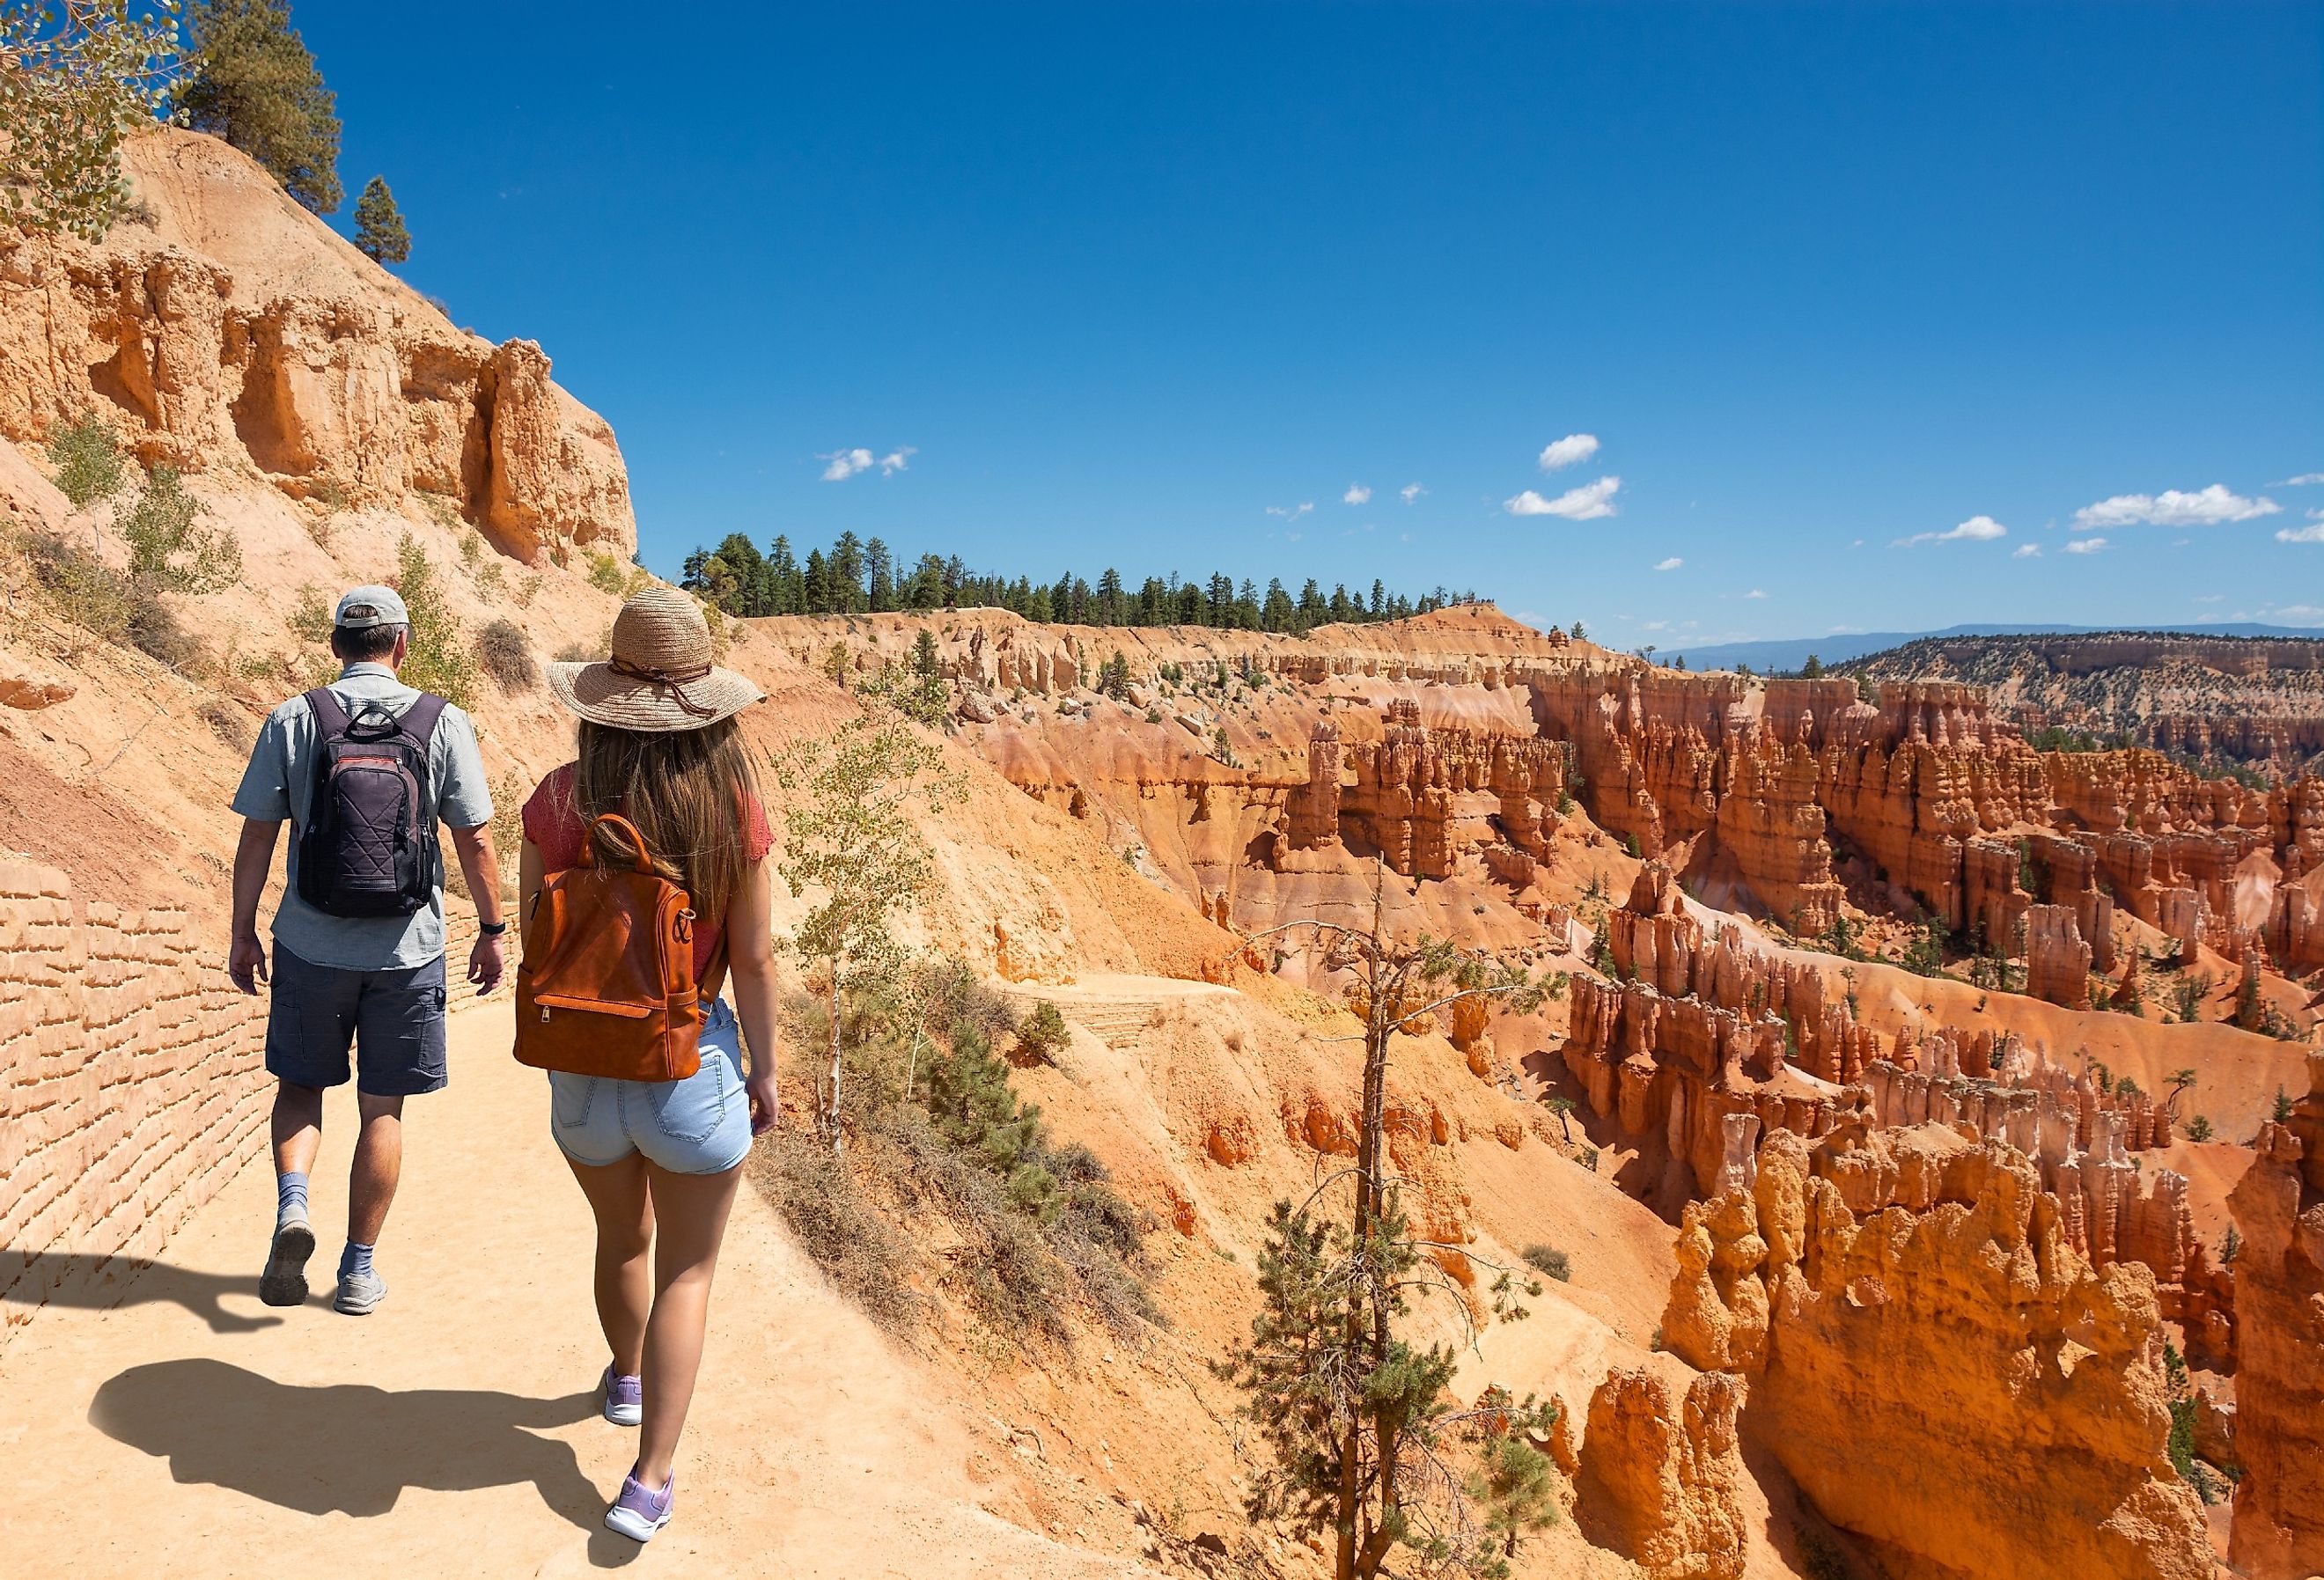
x=1789 y=654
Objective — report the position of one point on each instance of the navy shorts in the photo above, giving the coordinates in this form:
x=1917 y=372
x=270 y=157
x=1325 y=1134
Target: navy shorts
x=395 y=1019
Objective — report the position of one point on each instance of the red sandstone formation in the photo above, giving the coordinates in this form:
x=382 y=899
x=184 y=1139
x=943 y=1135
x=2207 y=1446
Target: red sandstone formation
x=1922 y=1373
x=1425 y=798
x=2057 y=960
x=2279 y=1206
x=1660 y=1481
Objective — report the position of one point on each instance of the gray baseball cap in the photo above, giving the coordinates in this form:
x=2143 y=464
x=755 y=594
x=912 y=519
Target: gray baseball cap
x=363 y=608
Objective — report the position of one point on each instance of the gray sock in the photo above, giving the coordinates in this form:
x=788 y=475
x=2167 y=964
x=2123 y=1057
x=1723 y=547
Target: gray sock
x=290 y=1195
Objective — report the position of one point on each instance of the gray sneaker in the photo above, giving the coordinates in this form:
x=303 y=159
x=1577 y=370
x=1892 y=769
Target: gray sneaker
x=284 y=1282
x=359 y=1294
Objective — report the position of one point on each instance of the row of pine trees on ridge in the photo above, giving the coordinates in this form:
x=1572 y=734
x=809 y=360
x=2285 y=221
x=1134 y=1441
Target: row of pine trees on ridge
x=855 y=576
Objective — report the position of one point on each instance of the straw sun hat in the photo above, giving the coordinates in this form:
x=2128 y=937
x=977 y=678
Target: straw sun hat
x=659 y=679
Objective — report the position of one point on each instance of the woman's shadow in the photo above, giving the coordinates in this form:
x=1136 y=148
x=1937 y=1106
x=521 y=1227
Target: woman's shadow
x=351 y=1448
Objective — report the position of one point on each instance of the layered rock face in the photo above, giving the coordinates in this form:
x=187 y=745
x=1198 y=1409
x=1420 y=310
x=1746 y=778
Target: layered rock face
x=2279 y=1206
x=1660 y=1479
x=1425 y=797
x=237 y=332
x=1920 y=1374
x=2260 y=700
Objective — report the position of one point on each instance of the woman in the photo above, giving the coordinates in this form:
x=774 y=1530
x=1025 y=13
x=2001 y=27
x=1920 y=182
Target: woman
x=659 y=1161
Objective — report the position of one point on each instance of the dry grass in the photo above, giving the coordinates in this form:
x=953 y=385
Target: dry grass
x=504 y=653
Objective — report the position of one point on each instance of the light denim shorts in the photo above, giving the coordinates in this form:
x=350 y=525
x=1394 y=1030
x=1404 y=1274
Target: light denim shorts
x=699 y=1125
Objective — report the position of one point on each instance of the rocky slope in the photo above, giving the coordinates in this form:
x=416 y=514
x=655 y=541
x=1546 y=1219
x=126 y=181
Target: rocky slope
x=2239 y=700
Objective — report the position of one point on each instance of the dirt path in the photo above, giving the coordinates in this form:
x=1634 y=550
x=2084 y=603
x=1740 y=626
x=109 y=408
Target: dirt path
x=191 y=1430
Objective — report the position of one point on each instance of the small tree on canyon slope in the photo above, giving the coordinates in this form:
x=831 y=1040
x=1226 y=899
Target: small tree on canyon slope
x=77 y=76
x=1357 y=1418
x=380 y=233
x=852 y=833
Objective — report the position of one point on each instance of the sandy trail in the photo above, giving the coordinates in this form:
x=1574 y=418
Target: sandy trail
x=191 y=1430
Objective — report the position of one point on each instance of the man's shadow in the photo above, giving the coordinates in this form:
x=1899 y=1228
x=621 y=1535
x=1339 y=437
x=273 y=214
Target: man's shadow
x=351 y=1448
x=98 y=1283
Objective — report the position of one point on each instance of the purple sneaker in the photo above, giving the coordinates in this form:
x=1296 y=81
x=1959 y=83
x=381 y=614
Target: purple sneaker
x=638 y=1513
x=624 y=1398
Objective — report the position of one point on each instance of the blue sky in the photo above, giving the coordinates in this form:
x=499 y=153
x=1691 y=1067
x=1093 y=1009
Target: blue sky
x=1112 y=281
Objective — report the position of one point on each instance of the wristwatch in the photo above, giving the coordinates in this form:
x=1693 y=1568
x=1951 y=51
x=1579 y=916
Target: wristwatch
x=491 y=929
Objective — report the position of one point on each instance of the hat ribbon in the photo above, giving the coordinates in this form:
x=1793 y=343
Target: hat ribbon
x=677 y=683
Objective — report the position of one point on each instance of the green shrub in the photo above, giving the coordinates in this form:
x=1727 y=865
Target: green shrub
x=1042 y=1033
x=439 y=660
x=504 y=654
x=169 y=552
x=1550 y=1262
x=972 y=1105
x=88 y=457
x=606 y=575
x=310 y=619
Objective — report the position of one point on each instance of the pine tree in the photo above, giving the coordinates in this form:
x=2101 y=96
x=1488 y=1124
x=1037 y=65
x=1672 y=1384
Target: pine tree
x=973 y=1107
x=1360 y=1422
x=380 y=235
x=255 y=85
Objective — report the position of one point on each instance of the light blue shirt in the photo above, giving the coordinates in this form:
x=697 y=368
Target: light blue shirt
x=279 y=783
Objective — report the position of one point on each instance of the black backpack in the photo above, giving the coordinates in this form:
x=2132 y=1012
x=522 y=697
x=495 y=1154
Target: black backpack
x=366 y=850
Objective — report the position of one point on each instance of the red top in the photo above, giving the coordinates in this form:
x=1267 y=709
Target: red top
x=553 y=824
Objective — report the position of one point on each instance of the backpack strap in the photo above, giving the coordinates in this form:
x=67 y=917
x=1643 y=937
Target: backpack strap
x=330 y=714
x=418 y=720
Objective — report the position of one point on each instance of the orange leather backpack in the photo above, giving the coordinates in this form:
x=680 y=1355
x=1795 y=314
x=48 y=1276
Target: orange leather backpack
x=607 y=987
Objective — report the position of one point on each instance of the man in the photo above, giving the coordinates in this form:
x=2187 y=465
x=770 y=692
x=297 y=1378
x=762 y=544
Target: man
x=362 y=770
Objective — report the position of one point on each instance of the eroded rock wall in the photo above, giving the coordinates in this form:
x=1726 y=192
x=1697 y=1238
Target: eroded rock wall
x=2279 y=1207
x=295 y=359
x=1959 y=1385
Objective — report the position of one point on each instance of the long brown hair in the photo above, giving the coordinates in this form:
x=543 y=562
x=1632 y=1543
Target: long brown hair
x=685 y=790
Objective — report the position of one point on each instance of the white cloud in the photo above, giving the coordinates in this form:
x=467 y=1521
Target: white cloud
x=2296 y=613
x=2206 y=507
x=1585 y=503
x=1755 y=593
x=2313 y=533
x=845 y=464
x=1672 y=563
x=1357 y=494
x=2210 y=597
x=2303 y=481
x=1411 y=491
x=2027 y=552
x=2086 y=546
x=1975 y=529
x=839 y=466
x=1290 y=512
x=1567 y=451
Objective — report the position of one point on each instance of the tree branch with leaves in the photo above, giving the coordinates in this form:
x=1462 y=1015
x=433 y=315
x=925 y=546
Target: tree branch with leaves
x=77 y=78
